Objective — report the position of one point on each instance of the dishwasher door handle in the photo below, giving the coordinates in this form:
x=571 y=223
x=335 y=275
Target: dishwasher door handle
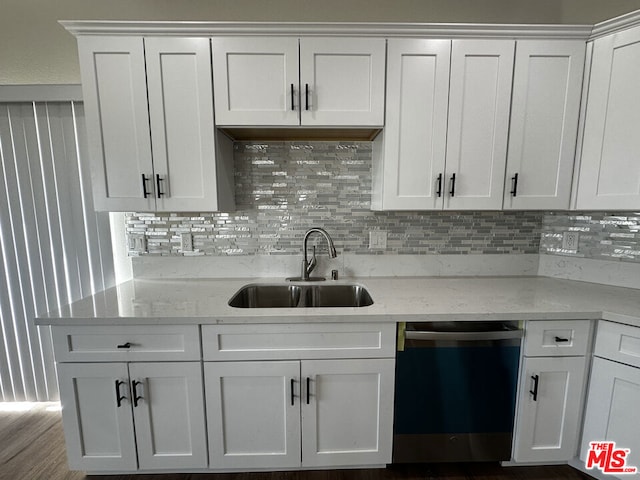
x=465 y=336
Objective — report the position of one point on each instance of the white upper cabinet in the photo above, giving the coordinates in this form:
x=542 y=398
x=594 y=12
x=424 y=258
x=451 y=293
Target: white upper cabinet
x=416 y=125
x=256 y=81
x=182 y=128
x=610 y=164
x=479 y=100
x=342 y=81
x=445 y=140
x=187 y=171
x=547 y=84
x=286 y=82
x=115 y=100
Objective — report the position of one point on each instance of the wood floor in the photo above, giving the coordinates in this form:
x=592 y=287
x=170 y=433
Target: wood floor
x=32 y=448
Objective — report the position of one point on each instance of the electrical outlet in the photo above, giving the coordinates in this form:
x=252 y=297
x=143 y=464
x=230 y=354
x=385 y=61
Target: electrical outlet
x=137 y=243
x=570 y=241
x=377 y=239
x=186 y=242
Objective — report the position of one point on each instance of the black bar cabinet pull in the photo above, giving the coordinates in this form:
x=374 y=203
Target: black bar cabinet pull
x=306 y=96
x=144 y=186
x=119 y=397
x=534 y=392
x=135 y=395
x=292 y=395
x=439 y=191
x=158 y=180
x=293 y=105
x=514 y=185
x=560 y=339
x=452 y=192
x=308 y=394
x=125 y=345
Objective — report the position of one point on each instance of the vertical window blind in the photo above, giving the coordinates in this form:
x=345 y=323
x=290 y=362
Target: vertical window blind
x=54 y=248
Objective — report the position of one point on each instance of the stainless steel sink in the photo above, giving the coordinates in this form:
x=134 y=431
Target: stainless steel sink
x=299 y=296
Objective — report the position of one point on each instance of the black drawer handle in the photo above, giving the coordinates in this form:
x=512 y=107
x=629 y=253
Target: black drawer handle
x=135 y=395
x=452 y=192
x=125 y=345
x=158 y=189
x=293 y=397
x=439 y=191
x=293 y=105
x=561 y=340
x=514 y=185
x=534 y=392
x=308 y=388
x=145 y=193
x=306 y=96
x=119 y=397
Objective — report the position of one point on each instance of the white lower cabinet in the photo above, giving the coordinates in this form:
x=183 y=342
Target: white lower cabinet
x=549 y=409
x=121 y=417
x=309 y=413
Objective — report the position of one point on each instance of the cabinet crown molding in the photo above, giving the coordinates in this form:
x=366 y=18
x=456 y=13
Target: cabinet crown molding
x=360 y=29
x=616 y=24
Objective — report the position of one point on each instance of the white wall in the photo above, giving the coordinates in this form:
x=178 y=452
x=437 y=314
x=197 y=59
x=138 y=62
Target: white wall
x=35 y=49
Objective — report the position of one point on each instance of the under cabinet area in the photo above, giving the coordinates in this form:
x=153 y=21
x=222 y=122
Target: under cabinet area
x=286 y=81
x=150 y=125
x=550 y=390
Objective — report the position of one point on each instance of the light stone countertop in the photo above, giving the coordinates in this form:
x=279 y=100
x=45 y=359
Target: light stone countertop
x=396 y=299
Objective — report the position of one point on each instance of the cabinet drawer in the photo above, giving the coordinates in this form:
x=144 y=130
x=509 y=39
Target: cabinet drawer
x=126 y=342
x=618 y=342
x=556 y=338
x=298 y=341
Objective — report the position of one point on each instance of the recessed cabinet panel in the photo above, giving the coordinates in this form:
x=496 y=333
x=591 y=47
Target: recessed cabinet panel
x=342 y=81
x=256 y=81
x=169 y=415
x=115 y=97
x=347 y=418
x=98 y=427
x=479 y=104
x=182 y=128
x=416 y=124
x=611 y=415
x=253 y=414
x=544 y=121
x=610 y=171
x=548 y=409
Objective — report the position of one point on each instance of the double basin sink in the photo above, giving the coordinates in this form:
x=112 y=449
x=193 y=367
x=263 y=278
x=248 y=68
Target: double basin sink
x=300 y=296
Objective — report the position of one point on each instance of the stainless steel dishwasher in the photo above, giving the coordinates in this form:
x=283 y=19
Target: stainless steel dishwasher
x=455 y=391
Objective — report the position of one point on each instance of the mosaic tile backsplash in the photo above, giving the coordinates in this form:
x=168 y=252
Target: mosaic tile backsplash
x=284 y=188
x=607 y=236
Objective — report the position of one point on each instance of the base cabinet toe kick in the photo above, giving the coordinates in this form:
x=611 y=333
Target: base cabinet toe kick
x=224 y=398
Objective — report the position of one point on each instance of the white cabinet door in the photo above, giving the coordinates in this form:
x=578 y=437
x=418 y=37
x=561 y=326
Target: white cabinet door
x=547 y=84
x=347 y=412
x=115 y=101
x=479 y=101
x=256 y=81
x=610 y=169
x=547 y=421
x=415 y=133
x=342 y=81
x=182 y=127
x=253 y=414
x=612 y=406
x=169 y=416
x=96 y=411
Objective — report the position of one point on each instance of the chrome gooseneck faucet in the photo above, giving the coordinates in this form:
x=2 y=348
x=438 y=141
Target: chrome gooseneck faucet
x=308 y=266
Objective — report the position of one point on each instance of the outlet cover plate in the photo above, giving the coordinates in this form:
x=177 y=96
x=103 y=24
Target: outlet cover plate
x=186 y=242
x=570 y=241
x=377 y=239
